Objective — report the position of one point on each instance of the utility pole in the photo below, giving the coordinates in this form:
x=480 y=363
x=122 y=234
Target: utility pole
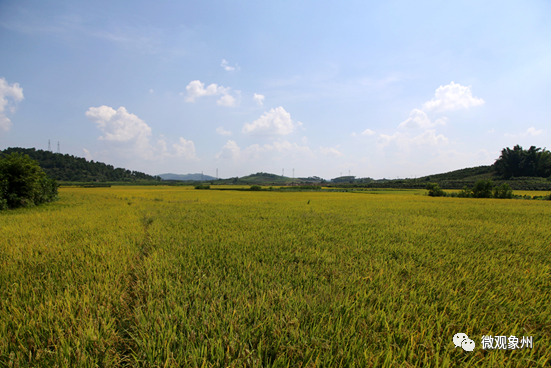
x=216 y=174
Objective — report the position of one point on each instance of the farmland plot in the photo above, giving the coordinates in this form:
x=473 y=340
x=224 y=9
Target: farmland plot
x=164 y=276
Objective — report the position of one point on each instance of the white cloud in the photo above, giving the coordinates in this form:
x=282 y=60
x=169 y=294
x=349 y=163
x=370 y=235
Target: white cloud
x=222 y=131
x=491 y=131
x=429 y=137
x=403 y=141
x=87 y=154
x=6 y=91
x=530 y=131
x=185 y=149
x=197 y=89
x=304 y=140
x=258 y=99
x=226 y=100
x=120 y=125
x=230 y=151
x=274 y=122
x=368 y=132
x=385 y=140
x=150 y=91
x=129 y=136
x=226 y=66
x=533 y=131
x=330 y=151
x=452 y=97
x=417 y=120
x=441 y=121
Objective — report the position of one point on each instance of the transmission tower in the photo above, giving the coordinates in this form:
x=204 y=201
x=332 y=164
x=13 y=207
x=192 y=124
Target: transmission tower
x=58 y=151
x=282 y=171
x=49 y=149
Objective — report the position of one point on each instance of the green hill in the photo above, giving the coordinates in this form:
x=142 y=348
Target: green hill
x=469 y=173
x=77 y=169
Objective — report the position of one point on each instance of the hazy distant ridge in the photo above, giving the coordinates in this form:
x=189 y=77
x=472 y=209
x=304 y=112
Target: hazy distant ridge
x=171 y=176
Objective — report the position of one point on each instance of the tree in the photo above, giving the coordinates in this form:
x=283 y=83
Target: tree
x=23 y=183
x=518 y=162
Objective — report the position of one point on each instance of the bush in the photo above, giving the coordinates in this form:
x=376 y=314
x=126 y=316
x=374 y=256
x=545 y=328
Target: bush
x=434 y=190
x=23 y=183
x=201 y=186
x=483 y=189
x=256 y=187
x=503 y=191
x=465 y=192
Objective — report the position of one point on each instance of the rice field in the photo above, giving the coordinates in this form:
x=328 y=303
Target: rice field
x=177 y=277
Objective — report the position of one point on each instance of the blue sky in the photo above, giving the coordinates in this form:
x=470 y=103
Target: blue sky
x=383 y=89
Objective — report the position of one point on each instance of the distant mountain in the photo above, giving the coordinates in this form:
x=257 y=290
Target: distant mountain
x=187 y=177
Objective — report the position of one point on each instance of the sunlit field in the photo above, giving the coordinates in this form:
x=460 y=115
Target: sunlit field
x=177 y=277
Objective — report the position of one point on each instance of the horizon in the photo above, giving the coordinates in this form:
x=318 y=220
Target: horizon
x=380 y=90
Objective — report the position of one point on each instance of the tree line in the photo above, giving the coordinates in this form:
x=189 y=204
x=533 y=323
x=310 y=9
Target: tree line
x=64 y=167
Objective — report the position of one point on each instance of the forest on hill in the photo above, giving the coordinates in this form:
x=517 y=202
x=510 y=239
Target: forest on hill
x=64 y=167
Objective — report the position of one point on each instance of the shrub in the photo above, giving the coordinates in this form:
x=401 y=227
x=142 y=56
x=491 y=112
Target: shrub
x=434 y=190
x=465 y=192
x=256 y=187
x=503 y=191
x=201 y=186
x=483 y=189
x=23 y=183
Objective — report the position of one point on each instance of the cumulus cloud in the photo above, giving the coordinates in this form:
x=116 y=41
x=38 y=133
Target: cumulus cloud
x=222 y=131
x=404 y=141
x=197 y=89
x=129 y=136
x=87 y=154
x=417 y=120
x=226 y=66
x=272 y=123
x=530 y=131
x=429 y=137
x=226 y=100
x=185 y=149
x=230 y=151
x=368 y=132
x=452 y=97
x=330 y=151
x=119 y=125
x=258 y=99
x=533 y=131
x=15 y=93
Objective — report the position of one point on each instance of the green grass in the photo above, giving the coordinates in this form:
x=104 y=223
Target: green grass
x=161 y=276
